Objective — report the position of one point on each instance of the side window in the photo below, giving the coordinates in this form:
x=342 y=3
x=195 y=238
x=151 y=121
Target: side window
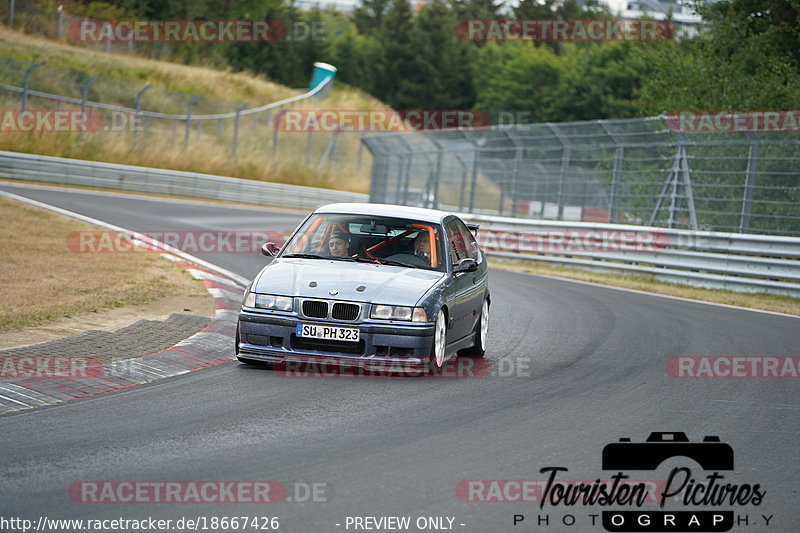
x=456 y=245
x=471 y=245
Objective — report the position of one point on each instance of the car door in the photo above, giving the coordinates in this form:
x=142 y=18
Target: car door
x=466 y=290
x=478 y=280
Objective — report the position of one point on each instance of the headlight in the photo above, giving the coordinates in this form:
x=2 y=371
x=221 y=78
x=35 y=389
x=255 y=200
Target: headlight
x=268 y=301
x=397 y=312
x=276 y=303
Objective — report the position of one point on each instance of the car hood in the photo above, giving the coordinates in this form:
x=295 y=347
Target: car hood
x=377 y=283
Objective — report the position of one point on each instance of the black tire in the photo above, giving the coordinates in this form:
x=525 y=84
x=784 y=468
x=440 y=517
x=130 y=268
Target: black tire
x=481 y=332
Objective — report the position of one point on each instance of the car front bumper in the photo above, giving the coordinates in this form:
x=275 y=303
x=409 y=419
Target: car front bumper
x=387 y=347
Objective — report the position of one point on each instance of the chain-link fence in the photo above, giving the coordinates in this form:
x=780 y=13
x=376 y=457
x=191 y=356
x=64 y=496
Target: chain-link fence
x=140 y=116
x=634 y=171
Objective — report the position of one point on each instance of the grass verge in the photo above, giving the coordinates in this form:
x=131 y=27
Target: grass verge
x=299 y=159
x=766 y=302
x=49 y=282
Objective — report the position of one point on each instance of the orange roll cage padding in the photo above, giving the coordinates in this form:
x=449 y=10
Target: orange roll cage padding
x=431 y=237
x=306 y=235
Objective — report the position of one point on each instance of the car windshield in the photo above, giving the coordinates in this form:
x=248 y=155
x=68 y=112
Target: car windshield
x=384 y=240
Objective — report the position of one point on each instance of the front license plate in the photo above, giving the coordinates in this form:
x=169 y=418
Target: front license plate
x=332 y=333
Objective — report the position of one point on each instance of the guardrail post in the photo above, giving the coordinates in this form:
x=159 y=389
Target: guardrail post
x=85 y=98
x=750 y=183
x=194 y=99
x=138 y=115
x=26 y=80
x=236 y=131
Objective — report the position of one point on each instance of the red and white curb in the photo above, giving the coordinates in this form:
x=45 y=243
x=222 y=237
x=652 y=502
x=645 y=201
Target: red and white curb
x=209 y=347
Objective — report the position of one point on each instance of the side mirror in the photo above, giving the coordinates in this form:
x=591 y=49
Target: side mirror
x=467 y=264
x=270 y=249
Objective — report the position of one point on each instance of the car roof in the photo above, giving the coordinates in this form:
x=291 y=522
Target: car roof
x=387 y=210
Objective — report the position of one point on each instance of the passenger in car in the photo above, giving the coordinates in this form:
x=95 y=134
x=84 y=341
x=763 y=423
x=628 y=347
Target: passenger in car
x=338 y=245
x=422 y=246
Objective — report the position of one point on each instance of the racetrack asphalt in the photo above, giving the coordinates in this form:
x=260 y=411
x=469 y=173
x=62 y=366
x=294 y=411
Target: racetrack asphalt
x=574 y=367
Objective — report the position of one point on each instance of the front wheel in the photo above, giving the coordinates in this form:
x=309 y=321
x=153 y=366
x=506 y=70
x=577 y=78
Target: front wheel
x=436 y=361
x=481 y=333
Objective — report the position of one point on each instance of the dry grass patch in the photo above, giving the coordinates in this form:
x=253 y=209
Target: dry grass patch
x=161 y=144
x=46 y=281
x=767 y=302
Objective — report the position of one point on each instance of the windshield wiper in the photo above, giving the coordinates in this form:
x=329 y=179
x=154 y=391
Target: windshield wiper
x=382 y=261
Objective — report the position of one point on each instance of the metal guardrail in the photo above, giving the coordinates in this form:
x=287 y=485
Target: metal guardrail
x=731 y=261
x=169 y=182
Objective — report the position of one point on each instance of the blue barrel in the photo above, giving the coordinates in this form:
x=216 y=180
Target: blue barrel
x=322 y=73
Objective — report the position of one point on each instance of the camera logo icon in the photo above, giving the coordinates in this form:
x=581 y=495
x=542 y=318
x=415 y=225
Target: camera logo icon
x=710 y=454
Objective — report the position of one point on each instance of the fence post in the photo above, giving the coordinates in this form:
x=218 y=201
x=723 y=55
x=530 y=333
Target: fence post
x=85 y=98
x=236 y=131
x=194 y=99
x=60 y=22
x=309 y=143
x=11 y=13
x=138 y=114
x=26 y=82
x=565 y=156
x=437 y=176
x=474 y=179
x=750 y=183
x=107 y=29
x=275 y=139
x=360 y=150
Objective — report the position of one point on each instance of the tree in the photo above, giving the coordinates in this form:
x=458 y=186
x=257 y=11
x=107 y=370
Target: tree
x=747 y=59
x=397 y=67
x=443 y=79
x=368 y=17
x=604 y=83
x=517 y=77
